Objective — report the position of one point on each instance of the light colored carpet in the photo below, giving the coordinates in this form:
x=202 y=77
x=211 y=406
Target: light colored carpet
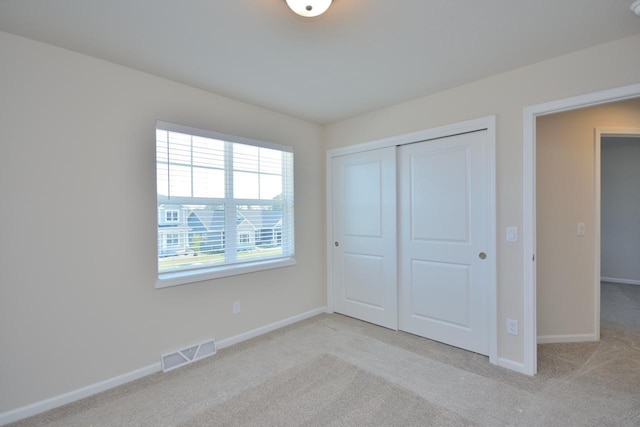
x=327 y=392
x=333 y=370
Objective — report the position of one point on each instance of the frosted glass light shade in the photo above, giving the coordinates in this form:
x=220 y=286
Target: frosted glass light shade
x=309 y=8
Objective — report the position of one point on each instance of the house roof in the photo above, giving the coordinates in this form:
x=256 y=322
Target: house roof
x=213 y=219
x=262 y=218
x=360 y=56
x=206 y=220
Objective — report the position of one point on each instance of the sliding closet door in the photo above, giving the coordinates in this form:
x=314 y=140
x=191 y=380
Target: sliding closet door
x=364 y=236
x=444 y=212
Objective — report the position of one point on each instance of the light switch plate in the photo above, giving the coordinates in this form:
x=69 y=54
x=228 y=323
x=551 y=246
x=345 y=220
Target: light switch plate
x=580 y=229
x=512 y=234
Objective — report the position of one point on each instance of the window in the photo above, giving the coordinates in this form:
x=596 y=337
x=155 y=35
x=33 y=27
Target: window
x=171 y=216
x=244 y=239
x=173 y=239
x=222 y=186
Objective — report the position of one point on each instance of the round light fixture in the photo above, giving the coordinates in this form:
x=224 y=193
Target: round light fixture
x=636 y=7
x=309 y=8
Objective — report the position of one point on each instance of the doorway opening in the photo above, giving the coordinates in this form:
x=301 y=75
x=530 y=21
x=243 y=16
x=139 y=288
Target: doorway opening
x=572 y=227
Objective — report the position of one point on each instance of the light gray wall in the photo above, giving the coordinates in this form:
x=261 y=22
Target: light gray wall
x=620 y=178
x=78 y=223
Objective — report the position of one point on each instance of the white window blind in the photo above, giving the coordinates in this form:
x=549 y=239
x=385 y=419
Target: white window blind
x=225 y=204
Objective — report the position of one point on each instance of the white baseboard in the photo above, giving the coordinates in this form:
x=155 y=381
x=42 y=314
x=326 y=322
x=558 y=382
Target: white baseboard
x=623 y=281
x=555 y=339
x=63 y=399
x=268 y=328
x=72 y=396
x=510 y=364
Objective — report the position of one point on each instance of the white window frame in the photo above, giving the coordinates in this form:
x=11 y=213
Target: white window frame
x=169 y=215
x=166 y=279
x=244 y=235
x=169 y=238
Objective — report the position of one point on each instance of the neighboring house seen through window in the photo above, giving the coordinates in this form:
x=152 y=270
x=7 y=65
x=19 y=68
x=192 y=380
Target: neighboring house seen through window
x=211 y=186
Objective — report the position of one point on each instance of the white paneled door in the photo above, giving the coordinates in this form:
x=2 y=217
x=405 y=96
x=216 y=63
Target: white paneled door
x=443 y=240
x=365 y=240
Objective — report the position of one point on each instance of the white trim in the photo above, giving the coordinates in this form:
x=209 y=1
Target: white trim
x=185 y=276
x=597 y=232
x=419 y=136
x=597 y=146
x=269 y=328
x=618 y=132
x=72 y=396
x=329 y=229
x=555 y=339
x=529 y=214
x=600 y=133
x=529 y=326
x=487 y=123
x=621 y=281
x=510 y=364
x=492 y=243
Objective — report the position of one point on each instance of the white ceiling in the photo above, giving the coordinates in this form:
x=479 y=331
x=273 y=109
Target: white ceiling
x=360 y=56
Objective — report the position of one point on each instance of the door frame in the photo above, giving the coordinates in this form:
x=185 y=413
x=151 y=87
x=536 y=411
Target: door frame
x=487 y=123
x=601 y=132
x=530 y=115
x=614 y=132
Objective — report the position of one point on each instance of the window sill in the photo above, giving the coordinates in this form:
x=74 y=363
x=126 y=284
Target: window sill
x=166 y=280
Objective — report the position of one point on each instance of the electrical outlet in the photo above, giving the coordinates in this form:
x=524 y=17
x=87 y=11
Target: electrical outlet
x=236 y=307
x=512 y=327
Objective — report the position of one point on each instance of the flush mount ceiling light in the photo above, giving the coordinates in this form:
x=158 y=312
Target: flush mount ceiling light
x=636 y=7
x=309 y=8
